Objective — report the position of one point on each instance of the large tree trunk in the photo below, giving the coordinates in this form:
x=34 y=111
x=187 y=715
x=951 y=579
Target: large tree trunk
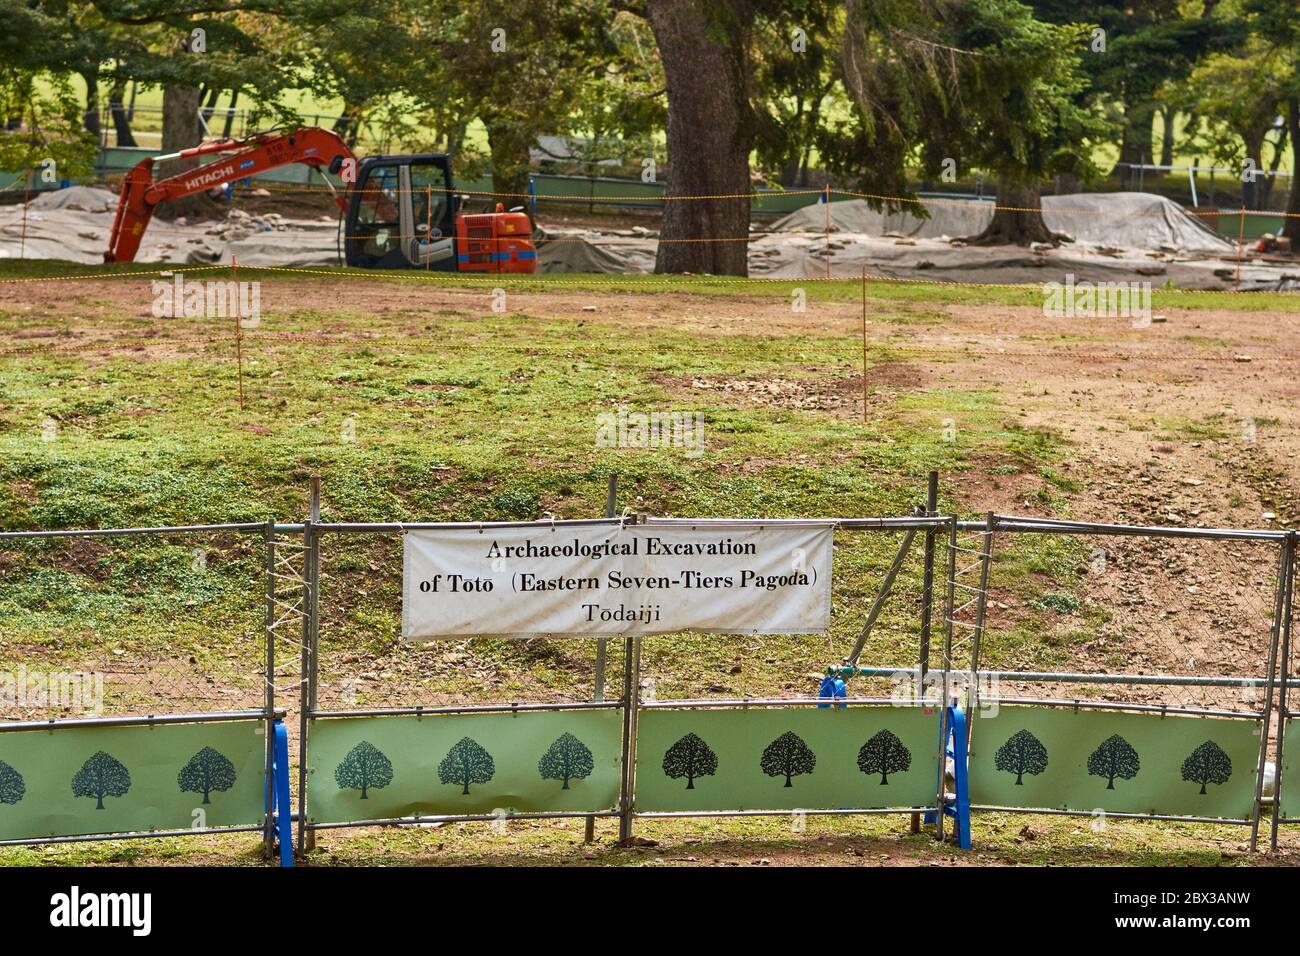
x=210 y=106
x=229 y=123
x=1167 y=117
x=510 y=162
x=790 y=170
x=1251 y=192
x=456 y=141
x=1135 y=147
x=348 y=124
x=1266 y=187
x=1018 y=220
x=121 y=120
x=181 y=130
x=704 y=49
x=1292 y=227
x=90 y=119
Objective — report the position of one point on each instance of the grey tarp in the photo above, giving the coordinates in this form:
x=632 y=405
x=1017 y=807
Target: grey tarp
x=1127 y=236
x=74 y=224
x=1117 y=220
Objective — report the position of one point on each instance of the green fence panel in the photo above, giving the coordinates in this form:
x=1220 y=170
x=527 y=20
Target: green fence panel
x=1288 y=796
x=859 y=758
x=1086 y=760
x=377 y=768
x=76 y=781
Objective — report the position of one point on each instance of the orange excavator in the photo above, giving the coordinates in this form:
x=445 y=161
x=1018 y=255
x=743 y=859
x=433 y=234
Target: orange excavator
x=402 y=212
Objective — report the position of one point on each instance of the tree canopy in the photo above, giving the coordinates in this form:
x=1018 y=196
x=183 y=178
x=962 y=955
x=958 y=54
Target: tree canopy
x=875 y=96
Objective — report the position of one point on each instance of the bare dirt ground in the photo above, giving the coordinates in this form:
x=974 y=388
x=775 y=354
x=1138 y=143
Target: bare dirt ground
x=1190 y=420
x=1193 y=419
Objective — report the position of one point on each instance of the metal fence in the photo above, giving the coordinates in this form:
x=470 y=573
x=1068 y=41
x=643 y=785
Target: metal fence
x=133 y=628
x=1076 y=616
x=245 y=621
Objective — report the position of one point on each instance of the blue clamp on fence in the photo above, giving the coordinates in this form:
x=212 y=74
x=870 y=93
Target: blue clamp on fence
x=958 y=808
x=532 y=198
x=832 y=687
x=278 y=803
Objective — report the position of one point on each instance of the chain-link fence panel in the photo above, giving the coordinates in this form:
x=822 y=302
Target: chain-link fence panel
x=128 y=624
x=877 y=599
x=1194 y=617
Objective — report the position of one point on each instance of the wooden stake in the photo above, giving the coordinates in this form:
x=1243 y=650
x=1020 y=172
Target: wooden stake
x=864 y=344
x=826 y=199
x=1241 y=242
x=239 y=331
x=27 y=195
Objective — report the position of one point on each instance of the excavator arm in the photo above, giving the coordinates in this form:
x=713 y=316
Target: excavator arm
x=140 y=195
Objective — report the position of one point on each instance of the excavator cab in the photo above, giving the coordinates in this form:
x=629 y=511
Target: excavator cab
x=403 y=213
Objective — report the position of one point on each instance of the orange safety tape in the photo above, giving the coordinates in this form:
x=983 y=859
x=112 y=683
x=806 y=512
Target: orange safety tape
x=681 y=280
x=453 y=278
x=111 y=275
x=1123 y=355
x=759 y=197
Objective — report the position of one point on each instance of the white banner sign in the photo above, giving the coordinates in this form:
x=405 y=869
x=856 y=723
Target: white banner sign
x=715 y=576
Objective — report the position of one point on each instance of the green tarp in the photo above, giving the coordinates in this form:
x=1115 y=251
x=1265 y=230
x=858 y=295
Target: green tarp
x=85 y=780
x=377 y=768
x=1093 y=760
x=859 y=757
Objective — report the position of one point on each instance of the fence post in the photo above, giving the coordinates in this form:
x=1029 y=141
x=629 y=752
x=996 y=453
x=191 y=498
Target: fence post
x=625 y=784
x=269 y=835
x=927 y=579
x=1270 y=671
x=602 y=645
x=307 y=696
x=631 y=700
x=981 y=608
x=927 y=603
x=948 y=610
x=1282 y=634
